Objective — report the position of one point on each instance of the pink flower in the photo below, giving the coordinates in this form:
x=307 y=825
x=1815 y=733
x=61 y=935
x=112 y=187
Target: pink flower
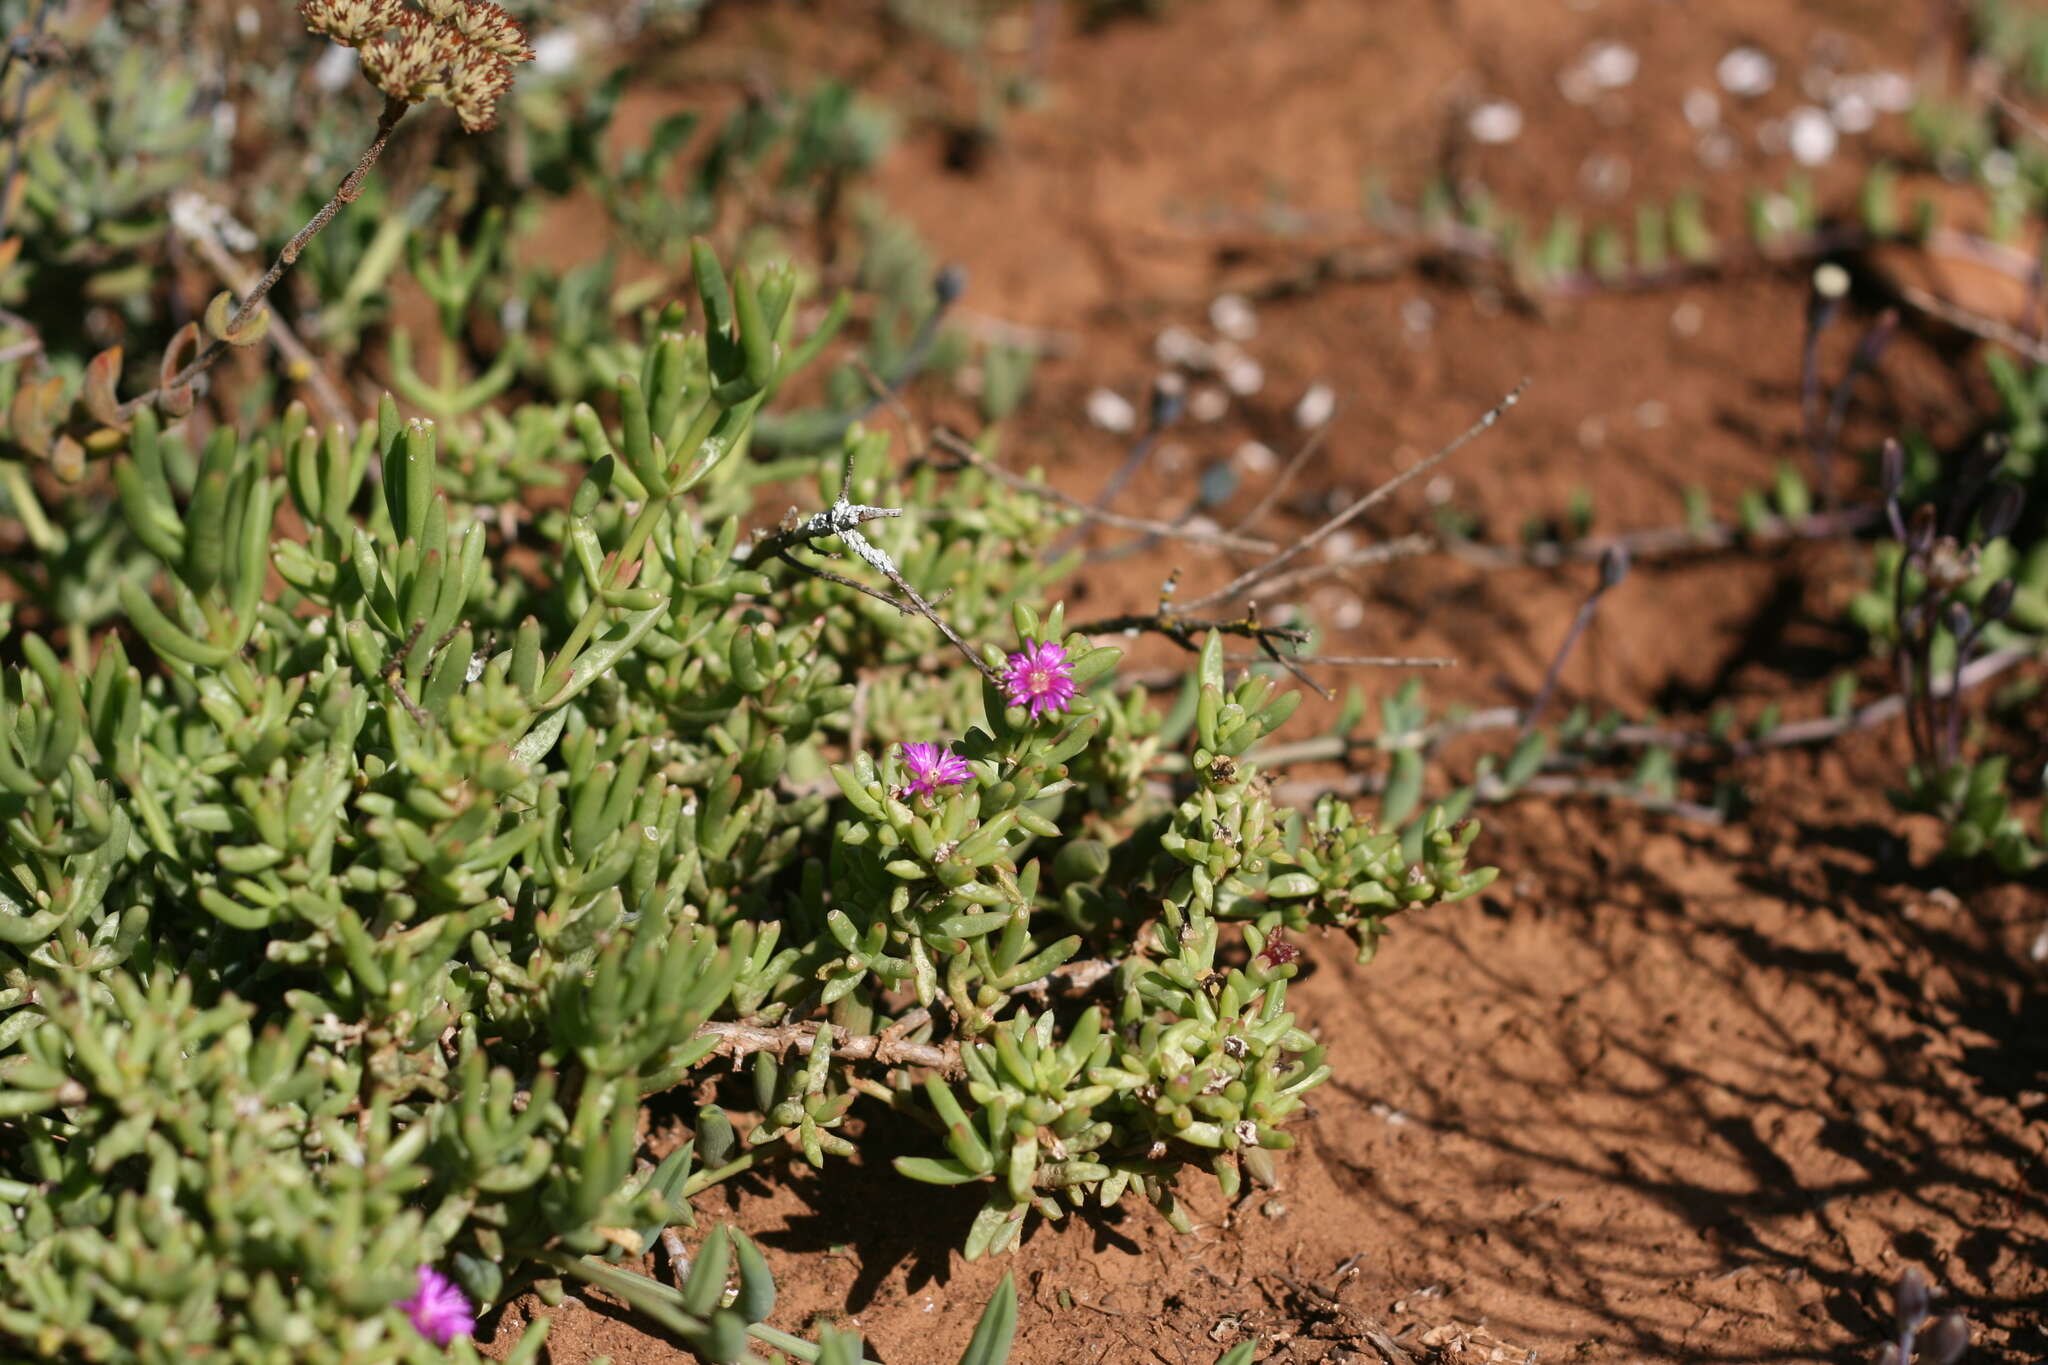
x=438 y=1309
x=931 y=767
x=1041 y=678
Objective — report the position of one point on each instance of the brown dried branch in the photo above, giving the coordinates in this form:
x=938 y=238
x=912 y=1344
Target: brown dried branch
x=742 y=1040
x=1976 y=324
x=1666 y=541
x=1254 y=577
x=236 y=277
x=889 y=1047
x=962 y=448
x=350 y=188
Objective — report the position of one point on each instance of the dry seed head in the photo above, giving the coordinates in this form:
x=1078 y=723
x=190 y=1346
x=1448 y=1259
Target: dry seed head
x=474 y=84
x=413 y=65
x=351 y=23
x=487 y=26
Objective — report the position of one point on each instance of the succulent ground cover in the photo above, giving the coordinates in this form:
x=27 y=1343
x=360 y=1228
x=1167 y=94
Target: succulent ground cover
x=738 y=789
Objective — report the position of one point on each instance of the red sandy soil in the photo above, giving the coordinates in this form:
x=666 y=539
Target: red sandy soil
x=1672 y=1091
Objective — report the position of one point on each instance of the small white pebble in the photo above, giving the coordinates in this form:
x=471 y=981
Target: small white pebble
x=1316 y=407
x=1611 y=65
x=1891 y=92
x=1243 y=376
x=1495 y=122
x=1853 y=112
x=1830 y=280
x=248 y=22
x=335 y=68
x=1687 y=319
x=1418 y=315
x=1592 y=432
x=1702 y=108
x=1232 y=316
x=1577 y=85
x=1339 y=545
x=1179 y=346
x=1810 y=136
x=556 y=51
x=1746 y=73
x=1999 y=168
x=1256 y=457
x=1111 y=411
x=1350 y=614
x=1717 y=149
x=1651 y=414
x=1604 y=175
x=1780 y=213
x=1208 y=404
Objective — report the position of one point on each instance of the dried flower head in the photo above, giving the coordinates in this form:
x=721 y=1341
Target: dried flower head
x=932 y=766
x=489 y=27
x=474 y=85
x=1040 y=678
x=351 y=22
x=457 y=51
x=438 y=1309
x=413 y=65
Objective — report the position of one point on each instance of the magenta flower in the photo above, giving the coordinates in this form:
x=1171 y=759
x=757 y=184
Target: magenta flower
x=1041 y=678
x=931 y=767
x=438 y=1309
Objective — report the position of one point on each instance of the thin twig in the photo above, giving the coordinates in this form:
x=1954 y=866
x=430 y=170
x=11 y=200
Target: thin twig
x=1286 y=476
x=1613 y=568
x=1253 y=577
x=346 y=194
x=1976 y=324
x=1406 y=547
x=741 y=1040
x=1664 y=541
x=2032 y=126
x=1186 y=631
x=236 y=277
x=844 y=519
x=960 y=446
x=1363 y=660
x=889 y=1047
x=1792 y=734
x=1491 y=790
x=1165 y=410
x=15 y=125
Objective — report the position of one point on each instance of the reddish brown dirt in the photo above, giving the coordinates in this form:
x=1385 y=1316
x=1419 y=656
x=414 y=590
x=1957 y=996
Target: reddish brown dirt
x=1673 y=1092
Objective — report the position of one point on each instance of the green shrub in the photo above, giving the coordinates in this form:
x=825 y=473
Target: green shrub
x=371 y=855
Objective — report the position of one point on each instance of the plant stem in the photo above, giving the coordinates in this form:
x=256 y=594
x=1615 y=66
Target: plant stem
x=14 y=125
x=346 y=194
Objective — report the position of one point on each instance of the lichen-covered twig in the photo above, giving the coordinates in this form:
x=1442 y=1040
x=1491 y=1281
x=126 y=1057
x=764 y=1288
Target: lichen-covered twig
x=843 y=519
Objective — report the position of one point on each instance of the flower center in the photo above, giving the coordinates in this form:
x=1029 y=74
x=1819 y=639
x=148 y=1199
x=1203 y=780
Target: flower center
x=1039 y=680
